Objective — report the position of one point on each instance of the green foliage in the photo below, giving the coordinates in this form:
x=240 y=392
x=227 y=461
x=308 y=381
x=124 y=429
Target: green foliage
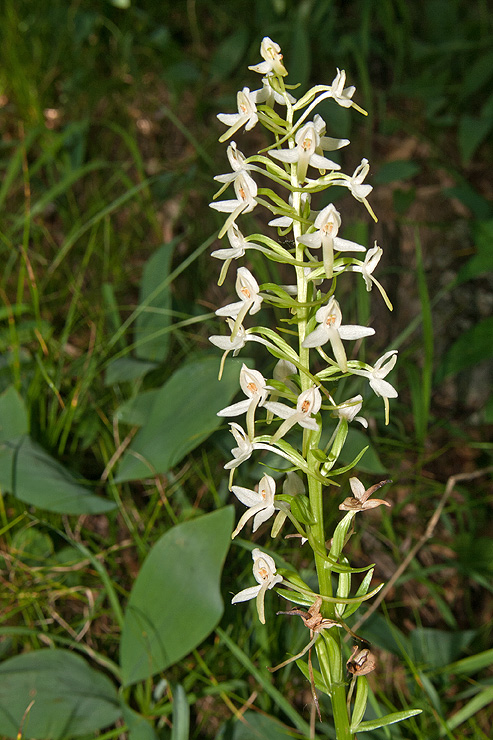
x=183 y=415
x=54 y=694
x=108 y=133
x=175 y=601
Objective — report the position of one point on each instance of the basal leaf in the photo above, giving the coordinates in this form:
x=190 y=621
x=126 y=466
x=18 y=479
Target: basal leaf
x=175 y=601
x=33 y=476
x=182 y=416
x=155 y=306
x=13 y=415
x=54 y=694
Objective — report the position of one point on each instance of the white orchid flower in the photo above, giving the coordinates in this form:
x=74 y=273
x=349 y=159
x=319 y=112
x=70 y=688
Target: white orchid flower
x=342 y=95
x=309 y=148
x=238 y=247
x=235 y=342
x=286 y=222
x=376 y=375
x=237 y=162
x=247 y=114
x=271 y=53
x=366 y=268
x=308 y=403
x=327 y=226
x=355 y=183
x=330 y=329
x=349 y=409
x=247 y=290
x=264 y=571
x=256 y=390
x=260 y=503
x=246 y=192
x=269 y=96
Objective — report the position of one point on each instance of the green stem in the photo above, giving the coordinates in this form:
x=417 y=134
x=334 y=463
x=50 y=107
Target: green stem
x=329 y=650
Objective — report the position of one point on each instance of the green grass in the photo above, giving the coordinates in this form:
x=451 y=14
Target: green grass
x=108 y=148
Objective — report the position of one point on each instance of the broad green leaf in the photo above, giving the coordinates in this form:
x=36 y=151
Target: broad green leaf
x=33 y=476
x=125 y=369
x=228 y=55
x=254 y=726
x=154 y=312
x=479 y=206
x=436 y=648
x=137 y=410
x=389 y=719
x=175 y=601
x=402 y=169
x=355 y=442
x=54 y=694
x=481 y=262
x=469 y=349
x=472 y=131
x=139 y=728
x=183 y=415
x=13 y=415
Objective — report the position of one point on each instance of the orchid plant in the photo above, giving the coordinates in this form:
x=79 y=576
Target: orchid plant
x=288 y=413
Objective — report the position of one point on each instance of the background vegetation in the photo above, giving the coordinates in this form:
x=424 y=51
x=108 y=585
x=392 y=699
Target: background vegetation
x=108 y=392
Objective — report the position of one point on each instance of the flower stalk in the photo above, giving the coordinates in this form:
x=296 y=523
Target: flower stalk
x=287 y=413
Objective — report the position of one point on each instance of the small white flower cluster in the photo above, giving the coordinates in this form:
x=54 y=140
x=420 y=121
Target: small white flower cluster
x=319 y=315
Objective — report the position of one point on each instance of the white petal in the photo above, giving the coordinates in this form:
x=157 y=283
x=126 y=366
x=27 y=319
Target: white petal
x=383 y=388
x=355 y=331
x=237 y=408
x=246 y=594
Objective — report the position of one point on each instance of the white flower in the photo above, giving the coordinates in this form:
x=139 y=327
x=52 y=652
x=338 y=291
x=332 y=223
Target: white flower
x=366 y=268
x=330 y=330
x=343 y=95
x=286 y=222
x=247 y=290
x=349 y=409
x=309 y=147
x=247 y=114
x=308 y=403
x=235 y=342
x=237 y=162
x=246 y=192
x=376 y=375
x=260 y=503
x=256 y=390
x=269 y=96
x=244 y=449
x=327 y=226
x=238 y=245
x=283 y=370
x=264 y=571
x=271 y=52
x=355 y=184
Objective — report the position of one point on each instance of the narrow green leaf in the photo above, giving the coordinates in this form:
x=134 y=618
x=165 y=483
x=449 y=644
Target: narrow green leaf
x=482 y=699
x=181 y=714
x=54 y=694
x=389 y=719
x=175 y=601
x=359 y=702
